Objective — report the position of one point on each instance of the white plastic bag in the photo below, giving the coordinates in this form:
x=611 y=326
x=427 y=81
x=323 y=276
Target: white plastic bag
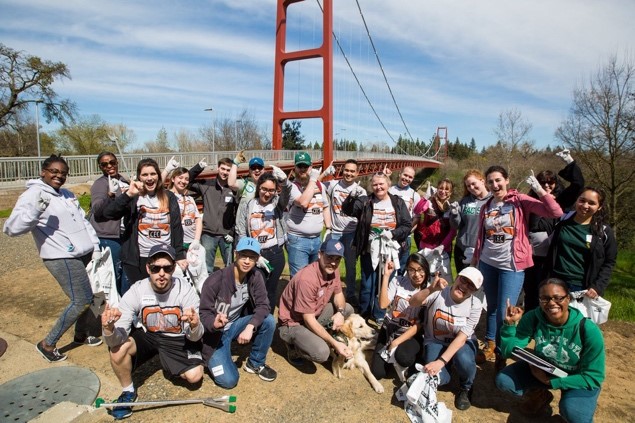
x=196 y=271
x=101 y=274
x=596 y=309
x=438 y=263
x=420 y=396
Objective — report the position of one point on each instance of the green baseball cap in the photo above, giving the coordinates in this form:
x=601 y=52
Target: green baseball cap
x=304 y=158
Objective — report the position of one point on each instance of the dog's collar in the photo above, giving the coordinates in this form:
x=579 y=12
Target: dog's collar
x=340 y=337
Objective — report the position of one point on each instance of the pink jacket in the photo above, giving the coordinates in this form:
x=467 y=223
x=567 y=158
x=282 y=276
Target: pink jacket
x=524 y=205
x=434 y=230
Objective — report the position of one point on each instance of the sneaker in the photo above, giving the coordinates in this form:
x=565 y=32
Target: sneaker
x=293 y=355
x=462 y=399
x=119 y=413
x=265 y=372
x=534 y=401
x=91 y=341
x=50 y=356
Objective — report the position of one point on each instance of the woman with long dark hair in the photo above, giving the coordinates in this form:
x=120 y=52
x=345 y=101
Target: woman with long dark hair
x=262 y=219
x=66 y=242
x=151 y=216
x=191 y=219
x=583 y=249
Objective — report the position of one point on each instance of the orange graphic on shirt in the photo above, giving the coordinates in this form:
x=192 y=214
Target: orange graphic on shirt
x=316 y=205
x=161 y=319
x=154 y=223
x=441 y=321
x=384 y=219
x=262 y=226
x=500 y=223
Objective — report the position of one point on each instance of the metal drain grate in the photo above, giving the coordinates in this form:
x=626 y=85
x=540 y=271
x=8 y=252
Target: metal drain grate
x=28 y=396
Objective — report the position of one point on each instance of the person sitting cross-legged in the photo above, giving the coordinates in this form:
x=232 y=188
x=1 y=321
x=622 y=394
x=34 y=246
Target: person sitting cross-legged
x=157 y=315
x=235 y=306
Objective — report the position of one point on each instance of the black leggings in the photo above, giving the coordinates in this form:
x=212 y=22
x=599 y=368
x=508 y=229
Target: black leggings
x=405 y=355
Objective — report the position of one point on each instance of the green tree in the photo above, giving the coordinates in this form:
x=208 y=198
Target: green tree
x=292 y=138
x=600 y=129
x=161 y=144
x=88 y=135
x=25 y=79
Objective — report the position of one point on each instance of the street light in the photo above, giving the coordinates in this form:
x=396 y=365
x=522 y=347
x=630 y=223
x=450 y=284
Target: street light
x=236 y=132
x=37 y=127
x=213 y=129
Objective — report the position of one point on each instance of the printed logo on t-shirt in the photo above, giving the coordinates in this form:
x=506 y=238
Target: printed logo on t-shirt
x=500 y=224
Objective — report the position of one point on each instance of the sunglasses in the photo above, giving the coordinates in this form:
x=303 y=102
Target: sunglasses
x=56 y=172
x=154 y=268
x=256 y=167
x=110 y=163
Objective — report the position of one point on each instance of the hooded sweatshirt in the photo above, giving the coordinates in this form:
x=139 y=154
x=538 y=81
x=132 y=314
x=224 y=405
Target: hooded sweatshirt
x=562 y=346
x=61 y=230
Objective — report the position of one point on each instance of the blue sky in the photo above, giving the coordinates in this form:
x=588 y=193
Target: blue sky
x=454 y=63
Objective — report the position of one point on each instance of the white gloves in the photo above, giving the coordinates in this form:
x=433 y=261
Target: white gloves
x=263 y=263
x=195 y=244
x=314 y=174
x=202 y=163
x=42 y=200
x=534 y=184
x=172 y=164
x=278 y=174
x=357 y=191
x=240 y=158
x=228 y=238
x=329 y=171
x=565 y=155
x=386 y=234
x=454 y=208
x=113 y=185
x=97 y=255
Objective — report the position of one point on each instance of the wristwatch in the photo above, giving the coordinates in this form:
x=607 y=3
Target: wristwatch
x=340 y=310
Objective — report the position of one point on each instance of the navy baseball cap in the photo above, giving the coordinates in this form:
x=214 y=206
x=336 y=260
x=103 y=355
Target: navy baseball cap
x=256 y=161
x=162 y=249
x=249 y=244
x=332 y=247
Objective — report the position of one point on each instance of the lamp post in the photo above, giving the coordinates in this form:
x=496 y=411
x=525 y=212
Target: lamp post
x=236 y=132
x=213 y=129
x=37 y=127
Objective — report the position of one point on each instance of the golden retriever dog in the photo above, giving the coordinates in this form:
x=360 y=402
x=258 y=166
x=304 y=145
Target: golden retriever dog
x=360 y=337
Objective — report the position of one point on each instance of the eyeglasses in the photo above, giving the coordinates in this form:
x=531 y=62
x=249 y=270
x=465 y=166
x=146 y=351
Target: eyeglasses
x=268 y=191
x=256 y=167
x=56 y=172
x=468 y=283
x=251 y=257
x=420 y=272
x=109 y=163
x=155 y=268
x=556 y=299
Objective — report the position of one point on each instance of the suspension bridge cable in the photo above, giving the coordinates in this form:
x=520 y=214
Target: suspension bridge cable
x=382 y=70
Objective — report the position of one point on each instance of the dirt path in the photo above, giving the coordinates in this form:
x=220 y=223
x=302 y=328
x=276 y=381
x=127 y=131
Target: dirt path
x=31 y=300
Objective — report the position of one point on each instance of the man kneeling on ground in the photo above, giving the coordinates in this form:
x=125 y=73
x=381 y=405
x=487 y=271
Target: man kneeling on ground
x=306 y=309
x=235 y=306
x=164 y=311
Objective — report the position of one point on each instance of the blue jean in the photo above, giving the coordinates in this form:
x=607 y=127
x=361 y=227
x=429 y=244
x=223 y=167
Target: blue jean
x=499 y=285
x=403 y=256
x=120 y=276
x=223 y=370
x=301 y=251
x=71 y=275
x=576 y=405
x=368 y=301
x=211 y=243
x=463 y=361
x=350 y=261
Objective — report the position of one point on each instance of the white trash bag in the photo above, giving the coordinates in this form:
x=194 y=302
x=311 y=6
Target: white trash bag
x=596 y=309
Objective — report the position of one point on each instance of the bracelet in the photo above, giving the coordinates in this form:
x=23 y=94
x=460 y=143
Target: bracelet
x=445 y=363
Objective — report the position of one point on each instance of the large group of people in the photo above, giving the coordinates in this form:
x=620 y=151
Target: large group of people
x=547 y=243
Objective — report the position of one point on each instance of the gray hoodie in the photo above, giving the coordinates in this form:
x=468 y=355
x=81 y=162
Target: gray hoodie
x=61 y=230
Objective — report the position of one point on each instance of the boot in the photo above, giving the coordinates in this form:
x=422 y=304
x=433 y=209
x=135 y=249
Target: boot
x=489 y=350
x=534 y=401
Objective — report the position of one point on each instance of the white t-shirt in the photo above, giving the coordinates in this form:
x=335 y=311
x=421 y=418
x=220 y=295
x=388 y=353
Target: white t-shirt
x=189 y=214
x=446 y=318
x=408 y=195
x=153 y=225
x=262 y=224
x=399 y=311
x=337 y=193
x=307 y=222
